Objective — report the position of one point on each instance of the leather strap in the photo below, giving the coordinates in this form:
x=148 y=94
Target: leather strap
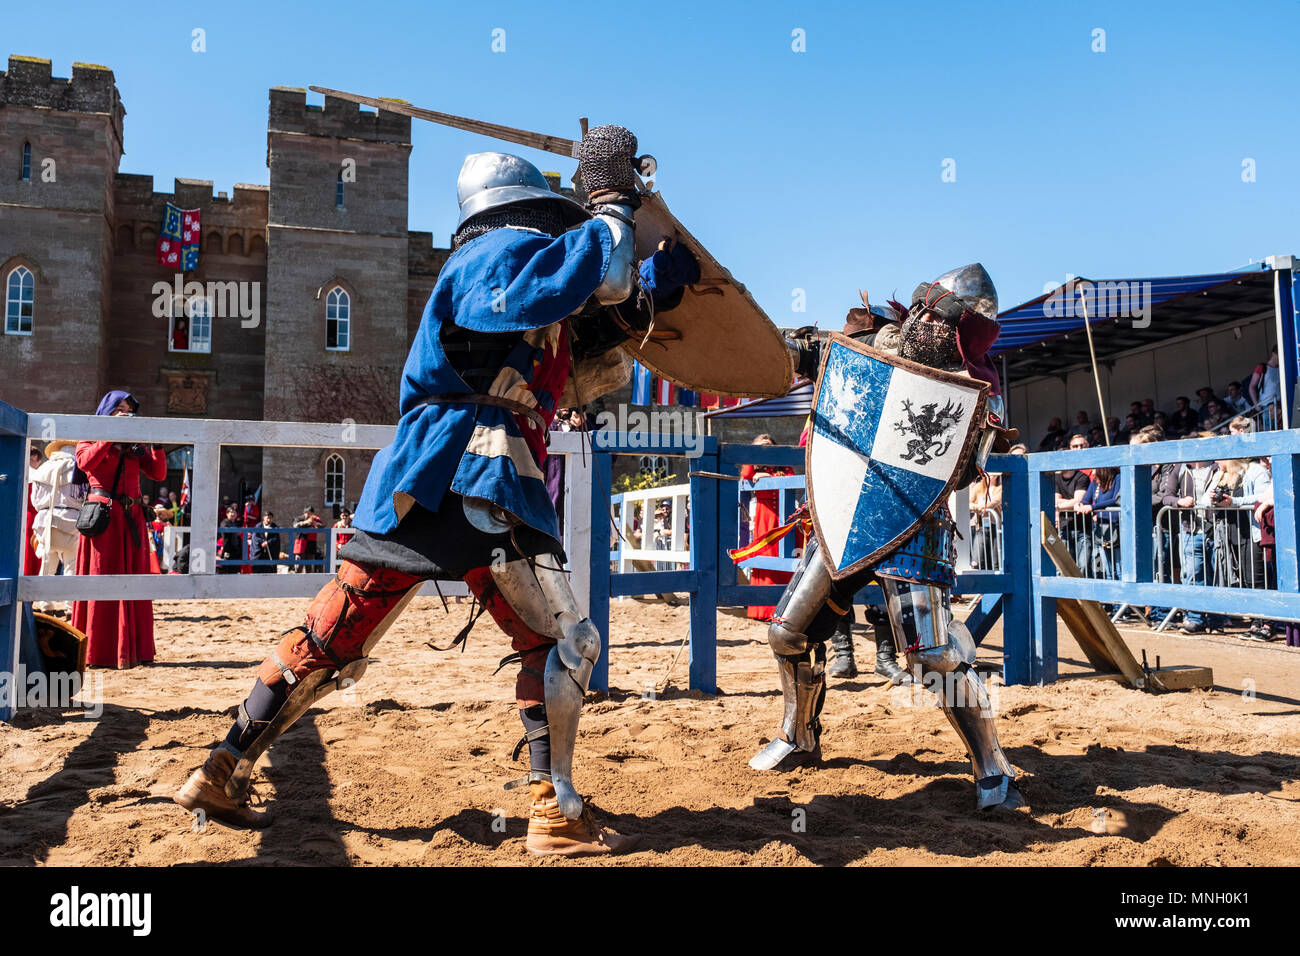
x=474 y=398
x=533 y=776
x=535 y=734
x=124 y=500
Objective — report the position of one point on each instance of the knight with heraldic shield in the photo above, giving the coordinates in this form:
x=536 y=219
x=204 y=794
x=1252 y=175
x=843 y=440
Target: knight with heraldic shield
x=907 y=409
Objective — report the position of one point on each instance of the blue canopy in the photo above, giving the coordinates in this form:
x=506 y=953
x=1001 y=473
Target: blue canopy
x=1045 y=335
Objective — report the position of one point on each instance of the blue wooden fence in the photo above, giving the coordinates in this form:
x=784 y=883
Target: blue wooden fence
x=1022 y=594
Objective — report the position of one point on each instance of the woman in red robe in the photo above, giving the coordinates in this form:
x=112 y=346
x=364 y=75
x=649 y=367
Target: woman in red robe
x=119 y=633
x=31 y=563
x=766 y=518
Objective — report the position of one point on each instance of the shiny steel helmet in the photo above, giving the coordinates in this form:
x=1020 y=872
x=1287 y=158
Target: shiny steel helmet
x=491 y=180
x=973 y=285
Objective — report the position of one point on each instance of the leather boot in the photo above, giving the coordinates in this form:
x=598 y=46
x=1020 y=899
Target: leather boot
x=887 y=658
x=842 y=663
x=550 y=833
x=206 y=791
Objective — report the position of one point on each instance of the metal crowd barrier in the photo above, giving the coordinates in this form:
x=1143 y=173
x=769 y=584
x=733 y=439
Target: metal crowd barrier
x=986 y=539
x=1141 y=577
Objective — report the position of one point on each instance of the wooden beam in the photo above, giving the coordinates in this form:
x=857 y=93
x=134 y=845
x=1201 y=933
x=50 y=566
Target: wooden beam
x=1097 y=627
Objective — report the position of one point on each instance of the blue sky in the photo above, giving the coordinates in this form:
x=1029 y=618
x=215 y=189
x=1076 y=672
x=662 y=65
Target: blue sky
x=816 y=170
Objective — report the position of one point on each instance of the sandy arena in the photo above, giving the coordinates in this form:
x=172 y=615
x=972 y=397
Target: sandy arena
x=409 y=770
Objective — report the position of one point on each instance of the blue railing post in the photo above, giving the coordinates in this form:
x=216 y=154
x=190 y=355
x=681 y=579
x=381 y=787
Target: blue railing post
x=602 y=482
x=705 y=518
x=1017 y=621
x=1286 y=518
x=13 y=481
x=1135 y=523
x=1038 y=666
x=1287 y=305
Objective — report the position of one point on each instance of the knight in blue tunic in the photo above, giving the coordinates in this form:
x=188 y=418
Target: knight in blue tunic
x=950 y=325
x=527 y=314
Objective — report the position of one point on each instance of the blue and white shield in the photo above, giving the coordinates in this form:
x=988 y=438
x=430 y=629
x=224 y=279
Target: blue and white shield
x=889 y=440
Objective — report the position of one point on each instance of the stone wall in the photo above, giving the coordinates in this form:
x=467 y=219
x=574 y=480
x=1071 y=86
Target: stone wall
x=61 y=366
x=315 y=244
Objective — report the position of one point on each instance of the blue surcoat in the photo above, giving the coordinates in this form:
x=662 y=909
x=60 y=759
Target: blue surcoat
x=508 y=280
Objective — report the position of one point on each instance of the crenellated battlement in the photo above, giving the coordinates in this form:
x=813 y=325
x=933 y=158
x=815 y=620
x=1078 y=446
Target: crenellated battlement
x=422 y=256
x=289 y=112
x=137 y=190
x=30 y=81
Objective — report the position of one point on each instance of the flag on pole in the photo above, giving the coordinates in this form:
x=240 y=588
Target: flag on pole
x=640 y=384
x=185 y=487
x=178 y=238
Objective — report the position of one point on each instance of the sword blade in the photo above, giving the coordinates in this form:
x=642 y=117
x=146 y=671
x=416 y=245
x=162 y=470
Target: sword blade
x=522 y=137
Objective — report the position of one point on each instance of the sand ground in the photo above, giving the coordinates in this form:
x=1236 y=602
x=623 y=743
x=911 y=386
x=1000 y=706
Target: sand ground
x=407 y=767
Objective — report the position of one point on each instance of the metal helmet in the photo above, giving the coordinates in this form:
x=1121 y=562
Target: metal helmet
x=491 y=180
x=973 y=285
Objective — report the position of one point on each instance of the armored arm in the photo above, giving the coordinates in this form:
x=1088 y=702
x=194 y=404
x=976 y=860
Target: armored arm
x=805 y=345
x=606 y=163
x=617 y=285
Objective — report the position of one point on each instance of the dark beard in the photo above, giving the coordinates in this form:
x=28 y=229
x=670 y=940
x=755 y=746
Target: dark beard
x=930 y=343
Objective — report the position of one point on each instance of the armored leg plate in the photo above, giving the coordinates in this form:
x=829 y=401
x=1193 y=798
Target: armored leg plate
x=309 y=690
x=563 y=706
x=803 y=691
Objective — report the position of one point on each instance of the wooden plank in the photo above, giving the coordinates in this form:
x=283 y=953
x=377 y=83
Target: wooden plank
x=190 y=587
x=1249 y=602
x=1183 y=677
x=1174 y=677
x=1096 y=624
x=558 y=145
x=220 y=431
x=1093 y=648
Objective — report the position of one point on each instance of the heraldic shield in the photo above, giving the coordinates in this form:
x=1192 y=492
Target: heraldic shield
x=890 y=439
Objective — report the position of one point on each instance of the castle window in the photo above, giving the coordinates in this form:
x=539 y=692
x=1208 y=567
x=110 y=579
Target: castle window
x=338 y=191
x=20 y=296
x=27 y=163
x=334 y=473
x=338 y=320
x=192 y=327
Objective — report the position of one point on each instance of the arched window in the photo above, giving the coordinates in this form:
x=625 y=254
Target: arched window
x=334 y=473
x=20 y=296
x=338 y=191
x=338 y=320
x=27 y=163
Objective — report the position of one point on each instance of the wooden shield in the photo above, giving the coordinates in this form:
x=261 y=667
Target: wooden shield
x=890 y=440
x=728 y=345
x=62 y=646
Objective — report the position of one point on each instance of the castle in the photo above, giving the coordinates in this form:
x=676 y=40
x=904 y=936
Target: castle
x=340 y=281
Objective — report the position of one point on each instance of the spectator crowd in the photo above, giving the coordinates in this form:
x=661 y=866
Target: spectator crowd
x=1257 y=402
x=1213 y=523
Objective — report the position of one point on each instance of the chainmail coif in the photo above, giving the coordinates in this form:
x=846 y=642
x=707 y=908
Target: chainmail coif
x=542 y=216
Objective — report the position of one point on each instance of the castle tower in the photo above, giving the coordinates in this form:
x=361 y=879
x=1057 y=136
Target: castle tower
x=60 y=144
x=337 y=262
